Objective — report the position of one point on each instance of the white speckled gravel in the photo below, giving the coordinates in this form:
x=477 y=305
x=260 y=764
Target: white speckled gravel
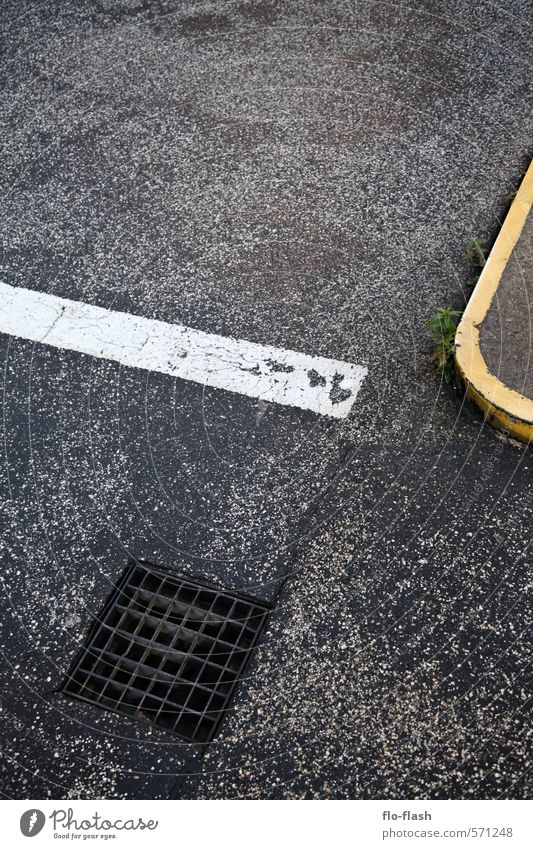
x=303 y=175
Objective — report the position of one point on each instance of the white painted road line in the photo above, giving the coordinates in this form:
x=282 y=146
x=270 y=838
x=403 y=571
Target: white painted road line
x=319 y=384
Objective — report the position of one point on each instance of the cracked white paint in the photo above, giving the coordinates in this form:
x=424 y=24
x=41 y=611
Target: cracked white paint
x=319 y=384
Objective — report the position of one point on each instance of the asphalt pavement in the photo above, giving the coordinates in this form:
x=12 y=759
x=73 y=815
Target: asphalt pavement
x=300 y=175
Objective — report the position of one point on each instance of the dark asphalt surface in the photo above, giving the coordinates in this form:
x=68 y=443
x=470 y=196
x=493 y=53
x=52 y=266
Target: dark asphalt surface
x=305 y=175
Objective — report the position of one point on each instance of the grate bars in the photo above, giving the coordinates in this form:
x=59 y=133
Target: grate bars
x=169 y=651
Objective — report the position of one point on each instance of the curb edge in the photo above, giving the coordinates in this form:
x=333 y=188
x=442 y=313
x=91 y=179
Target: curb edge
x=503 y=407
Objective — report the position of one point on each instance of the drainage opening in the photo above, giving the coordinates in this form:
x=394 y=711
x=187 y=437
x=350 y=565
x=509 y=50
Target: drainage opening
x=167 y=650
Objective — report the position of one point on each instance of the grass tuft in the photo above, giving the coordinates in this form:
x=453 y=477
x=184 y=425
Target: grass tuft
x=443 y=325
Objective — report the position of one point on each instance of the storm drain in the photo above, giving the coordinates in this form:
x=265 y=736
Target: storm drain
x=168 y=651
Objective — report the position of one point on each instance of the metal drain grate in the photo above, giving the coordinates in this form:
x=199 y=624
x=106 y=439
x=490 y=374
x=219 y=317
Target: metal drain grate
x=167 y=650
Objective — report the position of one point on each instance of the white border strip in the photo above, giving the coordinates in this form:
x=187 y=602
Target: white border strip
x=325 y=386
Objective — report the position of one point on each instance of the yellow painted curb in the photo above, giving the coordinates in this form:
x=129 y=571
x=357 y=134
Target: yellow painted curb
x=504 y=408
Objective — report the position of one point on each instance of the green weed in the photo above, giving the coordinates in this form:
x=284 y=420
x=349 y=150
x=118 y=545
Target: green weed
x=443 y=325
x=476 y=250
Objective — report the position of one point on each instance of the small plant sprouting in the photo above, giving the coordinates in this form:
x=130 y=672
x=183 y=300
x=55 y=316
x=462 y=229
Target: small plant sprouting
x=476 y=251
x=443 y=325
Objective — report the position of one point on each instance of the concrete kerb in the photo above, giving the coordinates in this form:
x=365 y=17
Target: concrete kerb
x=502 y=406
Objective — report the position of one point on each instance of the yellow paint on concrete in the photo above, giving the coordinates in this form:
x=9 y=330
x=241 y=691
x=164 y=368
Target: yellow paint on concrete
x=504 y=408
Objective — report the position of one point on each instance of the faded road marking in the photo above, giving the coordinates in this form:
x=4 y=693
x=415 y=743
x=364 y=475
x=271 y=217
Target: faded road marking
x=319 y=384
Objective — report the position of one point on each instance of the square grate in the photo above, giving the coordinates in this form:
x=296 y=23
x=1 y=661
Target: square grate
x=167 y=650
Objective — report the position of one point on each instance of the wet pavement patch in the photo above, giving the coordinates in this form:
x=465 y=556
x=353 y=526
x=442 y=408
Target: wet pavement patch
x=168 y=651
